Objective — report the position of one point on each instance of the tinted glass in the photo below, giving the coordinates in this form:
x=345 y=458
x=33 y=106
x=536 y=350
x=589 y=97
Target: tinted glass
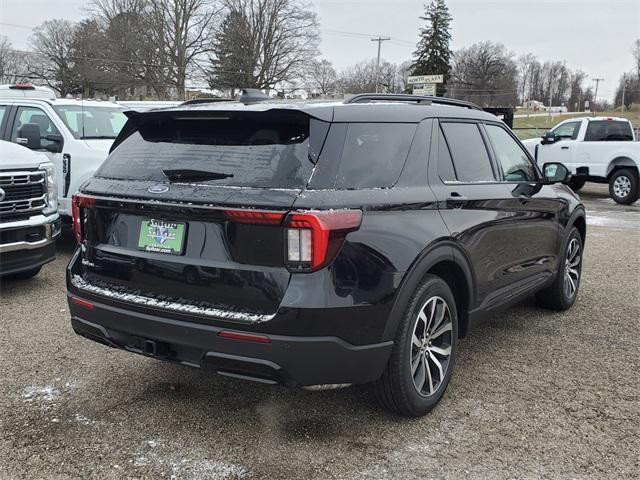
x=374 y=154
x=3 y=109
x=516 y=166
x=261 y=150
x=446 y=171
x=608 y=131
x=568 y=130
x=92 y=122
x=37 y=116
x=470 y=157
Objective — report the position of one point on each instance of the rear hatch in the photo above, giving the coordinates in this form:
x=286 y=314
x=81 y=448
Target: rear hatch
x=187 y=213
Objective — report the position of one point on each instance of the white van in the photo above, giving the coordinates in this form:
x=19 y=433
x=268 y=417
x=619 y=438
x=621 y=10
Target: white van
x=74 y=134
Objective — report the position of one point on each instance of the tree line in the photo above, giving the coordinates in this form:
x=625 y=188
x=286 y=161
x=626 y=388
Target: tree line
x=156 y=48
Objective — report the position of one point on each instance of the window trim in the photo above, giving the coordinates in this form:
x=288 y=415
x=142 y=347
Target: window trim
x=480 y=127
x=536 y=170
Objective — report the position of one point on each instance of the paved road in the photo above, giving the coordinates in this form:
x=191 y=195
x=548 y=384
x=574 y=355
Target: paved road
x=535 y=395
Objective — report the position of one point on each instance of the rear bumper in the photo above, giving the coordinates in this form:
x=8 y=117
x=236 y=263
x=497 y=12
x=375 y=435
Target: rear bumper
x=290 y=360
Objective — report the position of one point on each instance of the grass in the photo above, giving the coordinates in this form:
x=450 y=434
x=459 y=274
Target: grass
x=535 y=126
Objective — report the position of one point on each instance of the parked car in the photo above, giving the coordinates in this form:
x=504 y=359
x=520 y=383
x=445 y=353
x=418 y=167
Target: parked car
x=595 y=149
x=29 y=222
x=74 y=134
x=342 y=243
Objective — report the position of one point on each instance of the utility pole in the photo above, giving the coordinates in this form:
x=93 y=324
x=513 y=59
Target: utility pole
x=379 y=40
x=595 y=95
x=624 y=87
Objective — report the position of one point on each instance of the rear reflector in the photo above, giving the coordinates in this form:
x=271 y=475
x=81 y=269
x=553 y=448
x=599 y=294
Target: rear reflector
x=247 y=337
x=83 y=303
x=314 y=237
x=255 y=216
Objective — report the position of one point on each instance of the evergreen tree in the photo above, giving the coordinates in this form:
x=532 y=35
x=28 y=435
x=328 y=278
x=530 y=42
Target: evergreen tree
x=433 y=53
x=233 y=63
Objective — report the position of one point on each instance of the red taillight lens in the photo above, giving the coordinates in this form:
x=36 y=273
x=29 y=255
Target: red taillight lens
x=83 y=303
x=78 y=202
x=259 y=217
x=313 y=237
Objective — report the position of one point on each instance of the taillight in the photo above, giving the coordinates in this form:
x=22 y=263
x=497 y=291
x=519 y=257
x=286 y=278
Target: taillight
x=312 y=238
x=78 y=202
x=260 y=217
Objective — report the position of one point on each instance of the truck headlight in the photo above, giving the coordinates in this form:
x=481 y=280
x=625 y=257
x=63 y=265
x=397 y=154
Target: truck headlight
x=51 y=188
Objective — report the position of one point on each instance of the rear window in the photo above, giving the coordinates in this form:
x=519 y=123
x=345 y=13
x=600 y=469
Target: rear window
x=608 y=131
x=253 y=149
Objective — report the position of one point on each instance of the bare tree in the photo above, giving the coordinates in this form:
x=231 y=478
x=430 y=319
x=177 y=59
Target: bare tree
x=323 y=76
x=635 y=50
x=181 y=30
x=527 y=66
x=52 y=61
x=10 y=68
x=362 y=77
x=485 y=73
x=283 y=39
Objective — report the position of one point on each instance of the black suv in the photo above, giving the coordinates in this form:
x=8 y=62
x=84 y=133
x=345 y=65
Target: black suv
x=319 y=244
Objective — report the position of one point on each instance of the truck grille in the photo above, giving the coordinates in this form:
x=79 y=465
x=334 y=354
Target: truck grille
x=23 y=193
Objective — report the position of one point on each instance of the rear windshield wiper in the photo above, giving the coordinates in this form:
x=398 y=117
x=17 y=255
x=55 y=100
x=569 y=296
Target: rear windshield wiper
x=187 y=175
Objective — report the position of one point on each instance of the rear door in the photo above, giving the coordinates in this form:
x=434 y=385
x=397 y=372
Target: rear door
x=479 y=210
x=186 y=213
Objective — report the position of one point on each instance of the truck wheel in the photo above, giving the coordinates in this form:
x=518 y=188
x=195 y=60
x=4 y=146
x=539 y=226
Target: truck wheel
x=424 y=352
x=623 y=186
x=562 y=293
x=27 y=274
x=576 y=183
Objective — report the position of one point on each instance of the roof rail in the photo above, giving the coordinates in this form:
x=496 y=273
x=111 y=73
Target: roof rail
x=196 y=101
x=405 y=97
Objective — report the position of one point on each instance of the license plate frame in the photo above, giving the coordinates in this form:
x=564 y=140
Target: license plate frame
x=162 y=236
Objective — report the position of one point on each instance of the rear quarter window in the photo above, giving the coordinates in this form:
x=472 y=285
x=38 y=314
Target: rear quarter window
x=364 y=155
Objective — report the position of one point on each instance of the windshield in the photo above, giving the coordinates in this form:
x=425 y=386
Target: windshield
x=91 y=122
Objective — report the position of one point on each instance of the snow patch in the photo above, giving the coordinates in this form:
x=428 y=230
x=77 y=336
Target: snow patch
x=46 y=393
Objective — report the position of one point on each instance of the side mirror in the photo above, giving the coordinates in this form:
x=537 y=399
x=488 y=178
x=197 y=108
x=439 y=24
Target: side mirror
x=549 y=137
x=555 y=172
x=29 y=136
x=57 y=143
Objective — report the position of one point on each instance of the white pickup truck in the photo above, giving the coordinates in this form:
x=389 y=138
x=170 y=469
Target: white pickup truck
x=594 y=149
x=75 y=135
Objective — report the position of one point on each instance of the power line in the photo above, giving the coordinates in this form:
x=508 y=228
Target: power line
x=379 y=40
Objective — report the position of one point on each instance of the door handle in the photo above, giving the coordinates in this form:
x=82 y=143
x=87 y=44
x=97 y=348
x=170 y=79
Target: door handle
x=456 y=197
x=564 y=148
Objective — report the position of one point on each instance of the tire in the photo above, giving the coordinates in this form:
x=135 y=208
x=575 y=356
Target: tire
x=561 y=295
x=26 y=275
x=576 y=183
x=623 y=186
x=397 y=390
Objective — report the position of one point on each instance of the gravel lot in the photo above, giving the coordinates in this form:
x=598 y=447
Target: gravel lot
x=535 y=395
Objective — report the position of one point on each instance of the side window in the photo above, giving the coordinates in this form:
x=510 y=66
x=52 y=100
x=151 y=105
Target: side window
x=374 y=154
x=446 y=172
x=470 y=158
x=3 y=110
x=37 y=116
x=568 y=130
x=608 y=131
x=516 y=166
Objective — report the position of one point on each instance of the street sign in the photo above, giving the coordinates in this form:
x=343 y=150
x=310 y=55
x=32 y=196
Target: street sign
x=423 y=79
x=429 y=90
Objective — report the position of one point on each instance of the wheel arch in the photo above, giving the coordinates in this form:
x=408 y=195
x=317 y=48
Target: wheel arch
x=447 y=261
x=621 y=162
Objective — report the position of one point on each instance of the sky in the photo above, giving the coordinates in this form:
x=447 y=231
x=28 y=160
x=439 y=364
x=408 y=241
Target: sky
x=592 y=35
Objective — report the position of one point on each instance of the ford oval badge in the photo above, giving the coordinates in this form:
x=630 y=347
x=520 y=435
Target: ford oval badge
x=158 y=188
